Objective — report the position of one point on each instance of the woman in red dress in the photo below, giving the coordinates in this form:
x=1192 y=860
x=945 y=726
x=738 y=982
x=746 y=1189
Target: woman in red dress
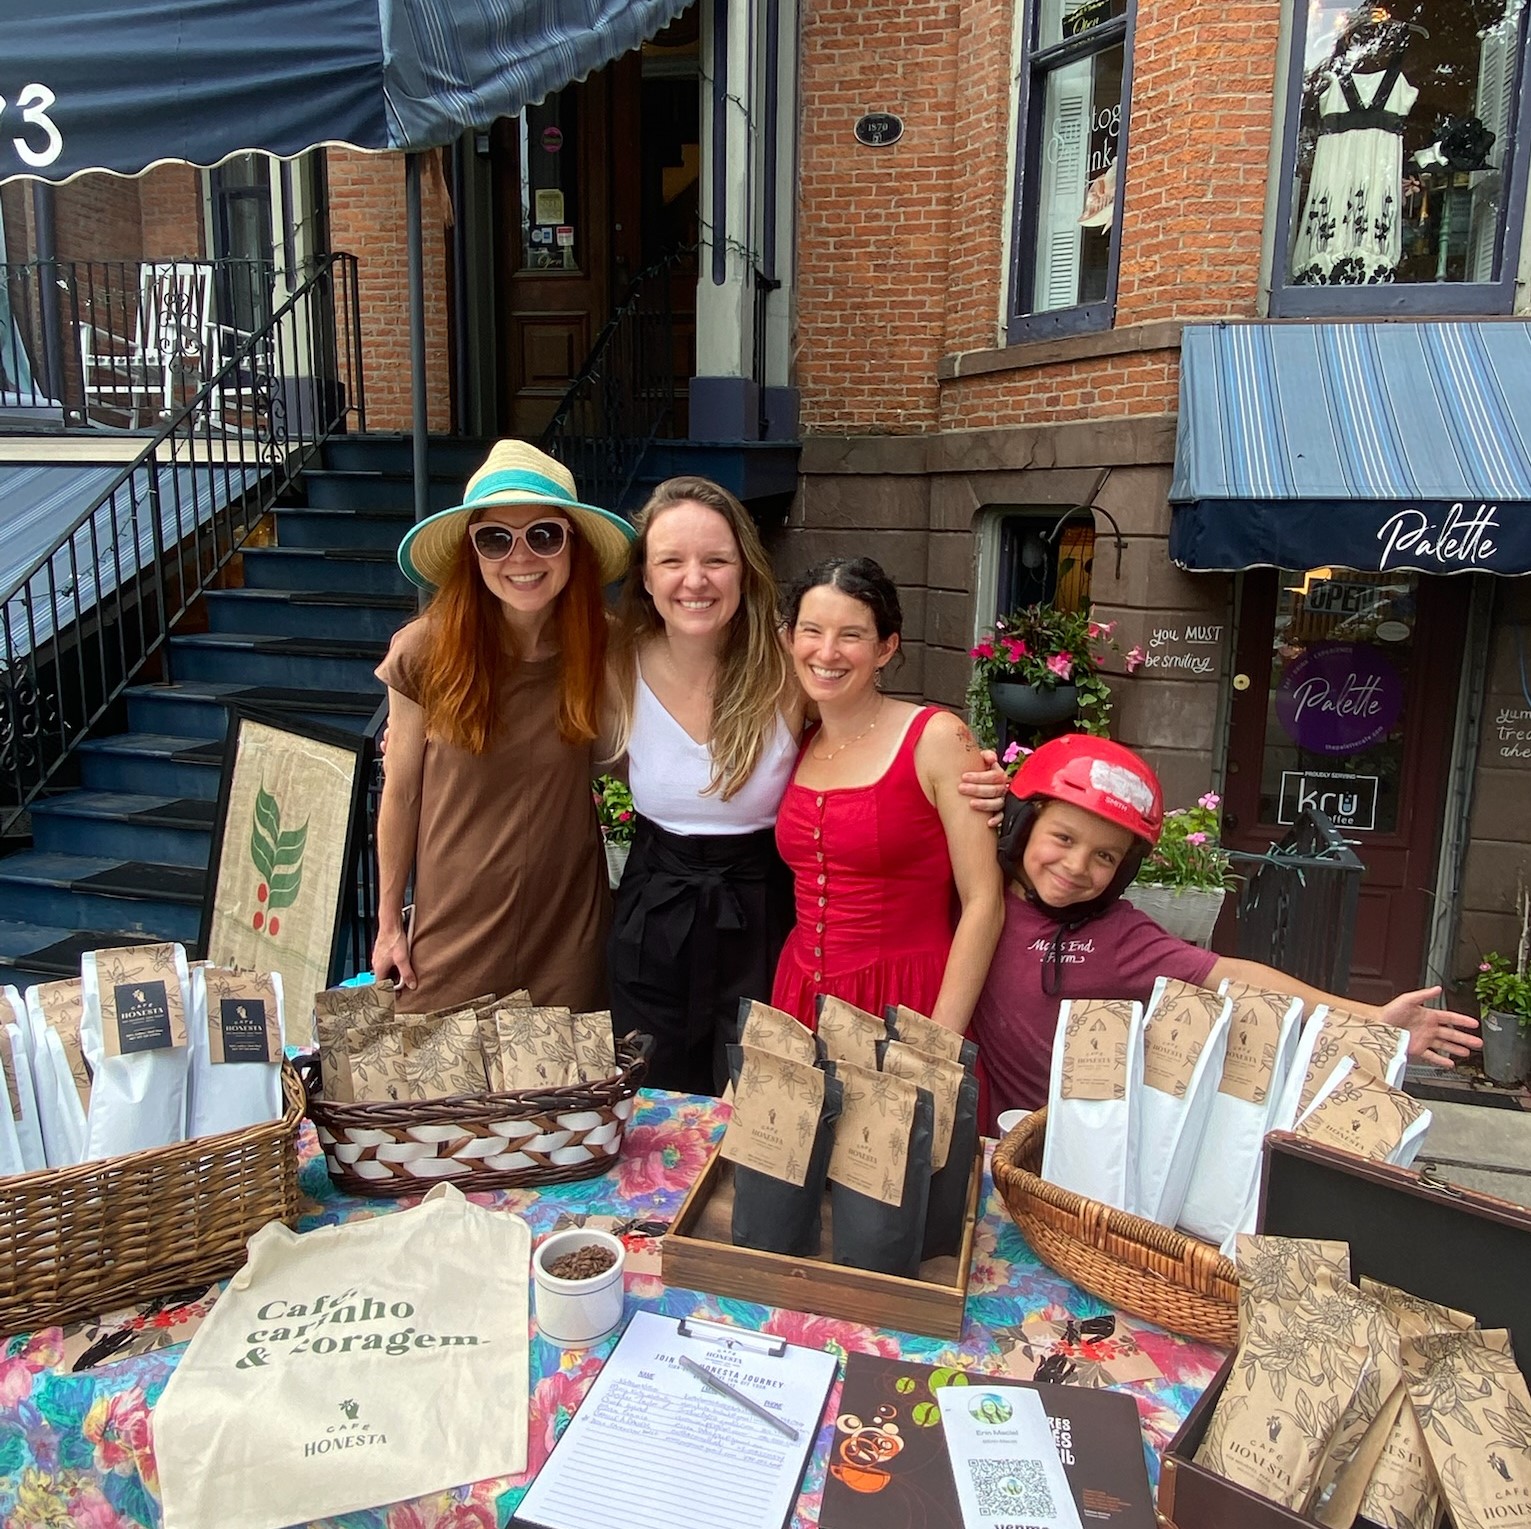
x=883 y=848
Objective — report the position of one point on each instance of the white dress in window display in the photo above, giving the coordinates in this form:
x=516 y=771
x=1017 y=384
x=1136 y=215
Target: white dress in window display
x=1350 y=233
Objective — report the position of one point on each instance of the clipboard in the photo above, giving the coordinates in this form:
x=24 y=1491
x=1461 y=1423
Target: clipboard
x=653 y=1447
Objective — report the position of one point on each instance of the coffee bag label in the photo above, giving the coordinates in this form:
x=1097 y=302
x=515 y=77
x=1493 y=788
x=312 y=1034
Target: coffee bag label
x=871 y=1151
x=242 y=1031
x=1362 y=1115
x=8 y=1066
x=142 y=1016
x=916 y=1030
x=1174 y=1039
x=1373 y=1048
x=768 y=1029
x=1095 y=1049
x=775 y=1117
x=943 y=1078
x=1254 y=1031
x=849 y=1034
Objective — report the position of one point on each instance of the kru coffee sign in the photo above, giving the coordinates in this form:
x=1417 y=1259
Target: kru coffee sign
x=1338 y=698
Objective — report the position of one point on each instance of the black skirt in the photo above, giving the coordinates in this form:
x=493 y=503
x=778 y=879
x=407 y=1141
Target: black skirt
x=699 y=922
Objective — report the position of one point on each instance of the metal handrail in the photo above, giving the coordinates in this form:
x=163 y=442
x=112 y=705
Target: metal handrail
x=619 y=401
x=89 y=614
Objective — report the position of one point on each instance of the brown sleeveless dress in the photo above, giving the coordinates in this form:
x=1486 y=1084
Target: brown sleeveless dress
x=510 y=884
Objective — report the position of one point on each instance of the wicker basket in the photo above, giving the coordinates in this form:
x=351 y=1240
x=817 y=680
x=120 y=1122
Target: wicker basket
x=1137 y=1266
x=480 y=1141
x=75 y=1242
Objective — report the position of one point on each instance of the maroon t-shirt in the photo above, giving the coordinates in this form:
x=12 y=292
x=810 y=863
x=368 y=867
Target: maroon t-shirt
x=1117 y=955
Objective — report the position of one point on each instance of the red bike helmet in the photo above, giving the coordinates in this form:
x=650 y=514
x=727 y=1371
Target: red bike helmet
x=1101 y=776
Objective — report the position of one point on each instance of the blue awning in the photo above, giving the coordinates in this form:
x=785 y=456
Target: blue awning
x=124 y=85
x=1374 y=446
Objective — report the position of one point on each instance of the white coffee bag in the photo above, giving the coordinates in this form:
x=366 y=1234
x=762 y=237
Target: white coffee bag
x=1097 y=1072
x=62 y=1080
x=21 y=1141
x=1357 y=1112
x=1185 y=1033
x=236 y=1034
x=1329 y=1035
x=1263 y=1030
x=133 y=1033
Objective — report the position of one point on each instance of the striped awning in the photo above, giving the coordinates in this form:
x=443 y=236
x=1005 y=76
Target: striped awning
x=1374 y=446
x=121 y=85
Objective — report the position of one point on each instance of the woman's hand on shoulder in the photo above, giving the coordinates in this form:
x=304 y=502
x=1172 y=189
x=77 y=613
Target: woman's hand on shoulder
x=987 y=787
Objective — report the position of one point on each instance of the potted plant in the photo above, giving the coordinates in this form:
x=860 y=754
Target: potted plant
x=1504 y=1004
x=1038 y=666
x=614 y=808
x=1182 y=883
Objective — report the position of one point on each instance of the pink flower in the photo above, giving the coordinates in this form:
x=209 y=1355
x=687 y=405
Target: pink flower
x=623 y=817
x=827 y=1334
x=118 y=1426
x=16 y=1378
x=442 y=1511
x=1210 y=800
x=1011 y=754
x=1483 y=966
x=983 y=650
x=554 y=1400
x=1196 y=838
x=89 y=1509
x=655 y=1159
x=1062 y=664
x=1015 y=649
x=1134 y=658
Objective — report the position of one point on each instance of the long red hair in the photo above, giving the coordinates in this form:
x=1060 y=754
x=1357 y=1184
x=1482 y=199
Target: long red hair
x=470 y=647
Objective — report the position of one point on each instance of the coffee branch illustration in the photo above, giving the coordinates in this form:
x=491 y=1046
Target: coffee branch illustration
x=278 y=857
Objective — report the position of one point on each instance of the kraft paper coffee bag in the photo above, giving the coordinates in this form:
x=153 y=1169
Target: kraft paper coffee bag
x=1328 y=1038
x=21 y=1138
x=133 y=1033
x=1361 y=1114
x=848 y=1034
x=954 y=1094
x=442 y=1055
x=917 y=1030
x=536 y=1046
x=237 y=1032
x=1185 y=1034
x=1277 y=1270
x=1092 y=1112
x=1263 y=1031
x=595 y=1047
x=779 y=1136
x=768 y=1029
x=879 y=1171
x=345 y=1017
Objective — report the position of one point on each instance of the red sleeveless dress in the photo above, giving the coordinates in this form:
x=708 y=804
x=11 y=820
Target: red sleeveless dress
x=875 y=891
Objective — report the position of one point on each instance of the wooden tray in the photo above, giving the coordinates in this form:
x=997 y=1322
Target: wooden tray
x=698 y=1255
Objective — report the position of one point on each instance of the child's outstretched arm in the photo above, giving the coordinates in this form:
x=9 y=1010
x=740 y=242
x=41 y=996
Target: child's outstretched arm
x=1436 y=1036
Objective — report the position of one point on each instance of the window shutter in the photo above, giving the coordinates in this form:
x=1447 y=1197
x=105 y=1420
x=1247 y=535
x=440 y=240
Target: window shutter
x=1065 y=149
x=1494 y=106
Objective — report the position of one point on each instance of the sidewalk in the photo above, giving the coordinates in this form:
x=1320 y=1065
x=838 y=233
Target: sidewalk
x=1484 y=1149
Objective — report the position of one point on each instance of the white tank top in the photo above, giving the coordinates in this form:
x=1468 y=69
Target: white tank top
x=668 y=771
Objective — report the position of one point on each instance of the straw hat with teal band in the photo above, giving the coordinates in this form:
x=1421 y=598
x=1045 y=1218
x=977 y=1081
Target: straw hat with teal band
x=515 y=473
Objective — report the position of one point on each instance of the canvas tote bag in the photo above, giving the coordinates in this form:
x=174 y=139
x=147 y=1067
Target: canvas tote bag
x=350 y=1367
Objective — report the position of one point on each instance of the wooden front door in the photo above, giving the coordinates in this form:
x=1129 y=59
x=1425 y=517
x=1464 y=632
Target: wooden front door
x=1345 y=698
x=589 y=188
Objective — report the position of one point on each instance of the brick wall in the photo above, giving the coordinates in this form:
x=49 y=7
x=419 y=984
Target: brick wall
x=367 y=218
x=170 y=208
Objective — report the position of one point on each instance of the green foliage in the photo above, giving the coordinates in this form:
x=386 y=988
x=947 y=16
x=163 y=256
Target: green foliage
x=278 y=856
x=1047 y=647
x=1502 y=989
x=614 y=808
x=1190 y=851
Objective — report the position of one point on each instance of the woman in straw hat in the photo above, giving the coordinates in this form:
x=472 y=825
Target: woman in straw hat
x=495 y=698
x=709 y=714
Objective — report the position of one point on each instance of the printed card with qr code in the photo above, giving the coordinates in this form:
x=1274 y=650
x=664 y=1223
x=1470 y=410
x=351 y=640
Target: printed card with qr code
x=1003 y=1458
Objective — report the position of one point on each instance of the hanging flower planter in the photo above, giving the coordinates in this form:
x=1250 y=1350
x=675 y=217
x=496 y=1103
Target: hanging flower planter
x=616 y=862
x=1190 y=913
x=1036 y=705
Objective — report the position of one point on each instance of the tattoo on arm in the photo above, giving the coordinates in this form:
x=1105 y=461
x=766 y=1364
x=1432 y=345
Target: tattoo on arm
x=969 y=742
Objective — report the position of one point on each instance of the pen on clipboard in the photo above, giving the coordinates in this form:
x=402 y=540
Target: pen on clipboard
x=722 y=1387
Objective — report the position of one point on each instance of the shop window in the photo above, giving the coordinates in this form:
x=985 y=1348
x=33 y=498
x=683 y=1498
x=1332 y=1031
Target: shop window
x=1068 y=195
x=240 y=189
x=1403 y=184
x=1037 y=567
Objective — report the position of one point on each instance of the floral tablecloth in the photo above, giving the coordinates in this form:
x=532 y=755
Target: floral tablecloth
x=76 y=1450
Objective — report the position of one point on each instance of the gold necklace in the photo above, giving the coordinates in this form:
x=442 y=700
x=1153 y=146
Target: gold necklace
x=841 y=748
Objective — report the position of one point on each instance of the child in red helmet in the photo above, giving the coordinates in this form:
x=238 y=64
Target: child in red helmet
x=1082 y=815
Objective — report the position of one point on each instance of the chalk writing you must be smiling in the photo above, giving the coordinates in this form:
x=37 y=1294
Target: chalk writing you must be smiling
x=1173 y=647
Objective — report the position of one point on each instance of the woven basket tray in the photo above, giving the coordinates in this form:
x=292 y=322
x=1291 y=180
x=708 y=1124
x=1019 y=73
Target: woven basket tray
x=1137 y=1266
x=75 y=1242
x=480 y=1141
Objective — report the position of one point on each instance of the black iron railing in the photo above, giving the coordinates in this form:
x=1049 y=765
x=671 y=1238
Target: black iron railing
x=83 y=621
x=1297 y=903
x=122 y=342
x=624 y=395
x=359 y=917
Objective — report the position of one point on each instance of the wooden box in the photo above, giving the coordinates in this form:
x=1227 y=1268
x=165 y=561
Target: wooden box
x=1465 y=1250
x=698 y=1255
